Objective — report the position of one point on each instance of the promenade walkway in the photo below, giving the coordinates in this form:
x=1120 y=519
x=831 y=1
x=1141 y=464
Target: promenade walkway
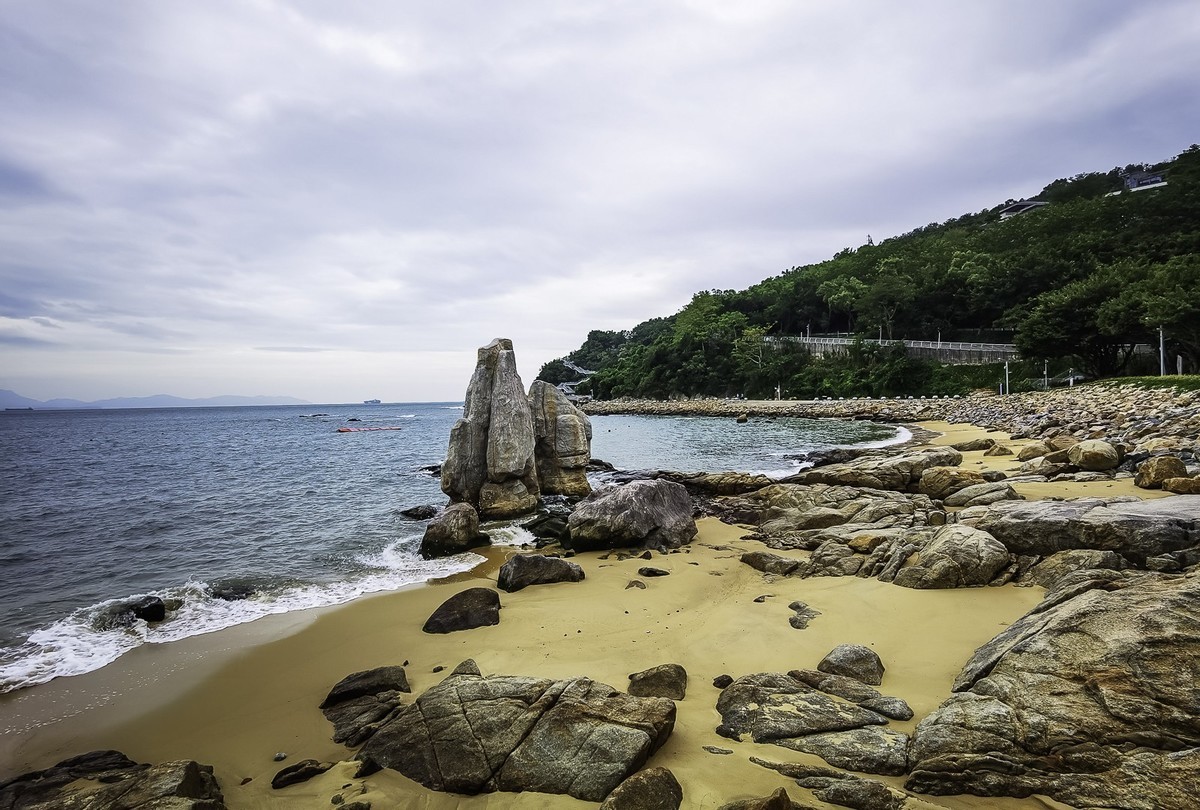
x=946 y=351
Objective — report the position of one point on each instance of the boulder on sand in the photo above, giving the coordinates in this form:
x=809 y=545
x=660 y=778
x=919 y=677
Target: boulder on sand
x=523 y=570
x=1094 y=455
x=853 y=661
x=643 y=514
x=472 y=734
x=489 y=462
x=474 y=607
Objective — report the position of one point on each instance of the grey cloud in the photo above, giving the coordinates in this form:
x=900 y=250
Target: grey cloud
x=305 y=179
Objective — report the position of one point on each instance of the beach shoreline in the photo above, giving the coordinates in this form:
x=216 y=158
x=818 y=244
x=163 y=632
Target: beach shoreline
x=236 y=697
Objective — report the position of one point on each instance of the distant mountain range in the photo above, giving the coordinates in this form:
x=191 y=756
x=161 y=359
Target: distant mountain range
x=11 y=400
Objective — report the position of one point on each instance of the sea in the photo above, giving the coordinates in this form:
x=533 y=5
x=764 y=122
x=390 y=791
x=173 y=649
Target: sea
x=232 y=514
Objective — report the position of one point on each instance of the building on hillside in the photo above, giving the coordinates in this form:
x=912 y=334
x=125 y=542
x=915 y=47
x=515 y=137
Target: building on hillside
x=1141 y=181
x=1020 y=207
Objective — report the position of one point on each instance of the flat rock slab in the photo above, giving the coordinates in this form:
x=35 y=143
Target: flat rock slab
x=474 y=734
x=771 y=707
x=1136 y=529
x=870 y=749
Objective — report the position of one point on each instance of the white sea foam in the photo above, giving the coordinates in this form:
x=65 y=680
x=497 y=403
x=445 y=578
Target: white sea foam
x=77 y=644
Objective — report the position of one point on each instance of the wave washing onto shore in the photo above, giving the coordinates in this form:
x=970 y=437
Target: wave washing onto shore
x=233 y=514
x=99 y=634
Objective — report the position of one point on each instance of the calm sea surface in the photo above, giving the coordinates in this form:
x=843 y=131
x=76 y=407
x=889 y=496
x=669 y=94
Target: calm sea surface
x=202 y=506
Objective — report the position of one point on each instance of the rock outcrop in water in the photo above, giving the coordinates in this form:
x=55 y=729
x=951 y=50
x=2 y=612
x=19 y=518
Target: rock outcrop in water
x=563 y=440
x=490 y=462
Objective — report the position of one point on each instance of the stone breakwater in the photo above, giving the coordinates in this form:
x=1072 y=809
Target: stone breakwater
x=1111 y=411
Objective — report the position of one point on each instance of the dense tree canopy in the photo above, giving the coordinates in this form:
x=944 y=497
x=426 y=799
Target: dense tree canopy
x=1077 y=282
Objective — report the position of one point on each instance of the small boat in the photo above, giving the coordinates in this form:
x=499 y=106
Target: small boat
x=364 y=429
x=372 y=402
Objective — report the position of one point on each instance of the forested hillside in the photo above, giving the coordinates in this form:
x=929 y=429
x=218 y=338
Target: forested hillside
x=1076 y=282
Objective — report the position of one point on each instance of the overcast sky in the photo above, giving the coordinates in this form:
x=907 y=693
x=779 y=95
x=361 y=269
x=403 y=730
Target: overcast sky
x=341 y=201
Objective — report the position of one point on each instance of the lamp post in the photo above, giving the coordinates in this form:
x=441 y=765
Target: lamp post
x=1007 y=389
x=1162 y=356
x=1045 y=375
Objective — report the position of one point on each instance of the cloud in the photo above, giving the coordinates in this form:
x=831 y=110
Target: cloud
x=363 y=189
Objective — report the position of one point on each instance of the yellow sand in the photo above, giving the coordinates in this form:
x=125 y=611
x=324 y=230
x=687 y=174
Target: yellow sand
x=236 y=697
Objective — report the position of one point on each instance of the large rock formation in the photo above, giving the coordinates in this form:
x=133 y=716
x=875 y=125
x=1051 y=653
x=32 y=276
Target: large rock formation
x=1091 y=699
x=646 y=514
x=562 y=442
x=474 y=734
x=489 y=463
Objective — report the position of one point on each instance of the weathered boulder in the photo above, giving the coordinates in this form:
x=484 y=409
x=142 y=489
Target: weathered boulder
x=853 y=661
x=1094 y=455
x=957 y=557
x=562 y=442
x=359 y=702
x=522 y=570
x=982 y=494
x=644 y=514
x=1135 y=529
x=664 y=680
x=489 y=463
x=895 y=472
x=1090 y=698
x=1182 y=486
x=1032 y=451
x=940 y=482
x=452 y=531
x=869 y=749
x=772 y=707
x=999 y=450
x=982 y=443
x=299 y=772
x=1056 y=566
x=1153 y=471
x=473 y=734
x=108 y=780
x=474 y=607
x=649 y=789
x=770 y=563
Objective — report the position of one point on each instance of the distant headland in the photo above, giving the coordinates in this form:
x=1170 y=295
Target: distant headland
x=10 y=400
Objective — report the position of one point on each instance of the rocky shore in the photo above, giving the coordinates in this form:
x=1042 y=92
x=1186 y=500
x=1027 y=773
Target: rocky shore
x=1002 y=614
x=1103 y=410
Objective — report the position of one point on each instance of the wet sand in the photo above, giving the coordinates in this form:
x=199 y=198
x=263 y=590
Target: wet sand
x=236 y=697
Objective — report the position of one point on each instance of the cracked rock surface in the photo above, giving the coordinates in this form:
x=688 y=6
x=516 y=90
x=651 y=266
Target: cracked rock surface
x=474 y=734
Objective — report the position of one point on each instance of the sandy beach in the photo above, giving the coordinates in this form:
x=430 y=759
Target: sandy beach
x=236 y=697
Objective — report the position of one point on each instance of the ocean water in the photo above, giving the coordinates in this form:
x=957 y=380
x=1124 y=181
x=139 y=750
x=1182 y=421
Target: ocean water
x=231 y=514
